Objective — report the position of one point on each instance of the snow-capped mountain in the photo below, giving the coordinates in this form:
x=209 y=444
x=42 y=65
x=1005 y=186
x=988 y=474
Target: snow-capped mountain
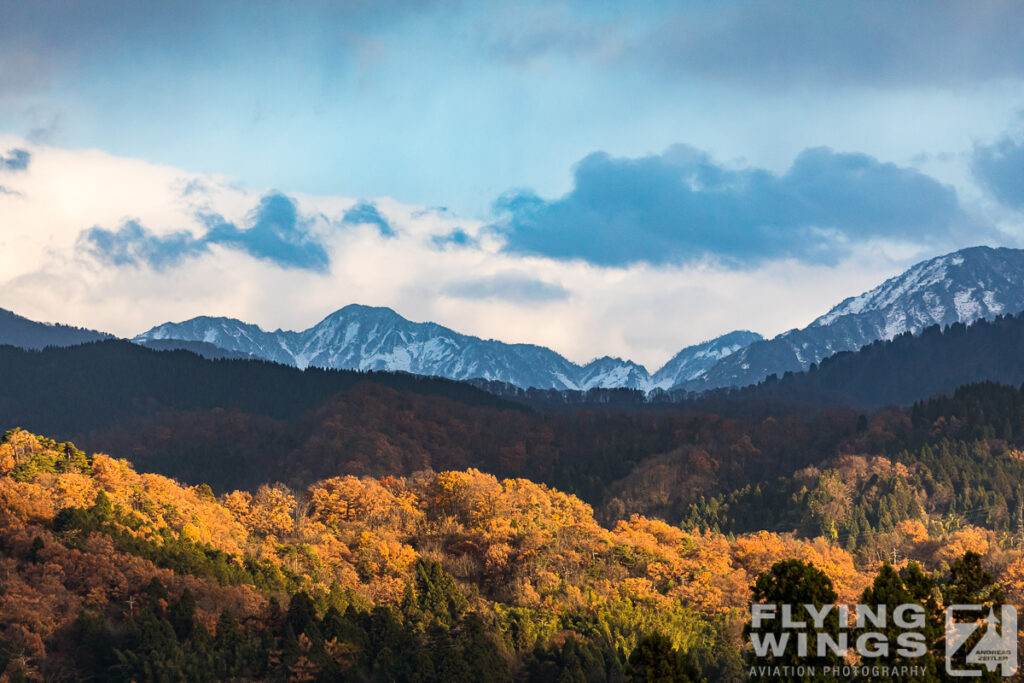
x=693 y=361
x=365 y=338
x=611 y=372
x=974 y=283
x=228 y=334
x=964 y=286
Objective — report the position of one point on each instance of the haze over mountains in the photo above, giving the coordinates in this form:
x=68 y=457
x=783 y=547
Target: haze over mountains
x=971 y=284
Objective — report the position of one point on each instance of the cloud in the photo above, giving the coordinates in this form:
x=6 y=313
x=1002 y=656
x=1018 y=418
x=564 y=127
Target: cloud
x=276 y=234
x=366 y=213
x=35 y=48
x=681 y=206
x=507 y=286
x=999 y=168
x=522 y=35
x=134 y=245
x=827 y=41
x=641 y=312
x=15 y=160
x=42 y=132
x=836 y=42
x=457 y=237
x=774 y=42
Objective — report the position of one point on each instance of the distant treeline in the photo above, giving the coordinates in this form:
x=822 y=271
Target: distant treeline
x=906 y=369
x=900 y=371
x=28 y=334
x=89 y=386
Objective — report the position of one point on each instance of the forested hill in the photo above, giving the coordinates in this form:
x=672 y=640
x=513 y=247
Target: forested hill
x=115 y=574
x=80 y=388
x=236 y=424
x=901 y=371
x=28 y=334
x=906 y=369
x=204 y=349
x=105 y=381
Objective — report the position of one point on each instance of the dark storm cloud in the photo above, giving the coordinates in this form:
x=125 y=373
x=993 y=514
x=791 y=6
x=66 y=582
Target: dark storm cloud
x=999 y=168
x=367 y=213
x=508 y=287
x=681 y=205
x=40 y=39
x=276 y=234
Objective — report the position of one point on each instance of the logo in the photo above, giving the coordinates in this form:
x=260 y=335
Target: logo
x=997 y=648
x=810 y=640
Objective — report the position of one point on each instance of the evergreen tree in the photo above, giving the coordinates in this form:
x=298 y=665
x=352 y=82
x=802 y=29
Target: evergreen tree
x=796 y=583
x=655 y=659
x=891 y=590
x=182 y=615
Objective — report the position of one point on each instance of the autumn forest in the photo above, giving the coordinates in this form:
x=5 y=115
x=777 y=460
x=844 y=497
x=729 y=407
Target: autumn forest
x=389 y=528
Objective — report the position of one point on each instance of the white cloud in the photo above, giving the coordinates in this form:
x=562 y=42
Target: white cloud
x=642 y=312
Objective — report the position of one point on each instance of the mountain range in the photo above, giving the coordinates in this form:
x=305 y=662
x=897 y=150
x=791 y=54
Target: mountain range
x=961 y=287
x=369 y=338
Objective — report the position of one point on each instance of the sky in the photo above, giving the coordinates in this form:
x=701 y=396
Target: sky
x=599 y=178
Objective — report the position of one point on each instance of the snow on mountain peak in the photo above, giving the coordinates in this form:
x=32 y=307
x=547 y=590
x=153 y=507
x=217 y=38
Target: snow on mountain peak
x=961 y=287
x=694 y=361
x=375 y=338
x=964 y=286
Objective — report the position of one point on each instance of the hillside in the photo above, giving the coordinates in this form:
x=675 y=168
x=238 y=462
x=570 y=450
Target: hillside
x=236 y=424
x=442 y=576
x=908 y=368
x=85 y=387
x=28 y=334
x=204 y=349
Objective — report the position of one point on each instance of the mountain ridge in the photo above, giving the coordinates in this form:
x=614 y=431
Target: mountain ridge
x=360 y=337
x=960 y=287
x=30 y=334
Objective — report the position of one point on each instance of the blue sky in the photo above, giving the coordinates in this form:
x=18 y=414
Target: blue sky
x=555 y=137
x=454 y=103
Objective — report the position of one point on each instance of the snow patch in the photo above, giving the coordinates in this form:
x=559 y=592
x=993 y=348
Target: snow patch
x=968 y=309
